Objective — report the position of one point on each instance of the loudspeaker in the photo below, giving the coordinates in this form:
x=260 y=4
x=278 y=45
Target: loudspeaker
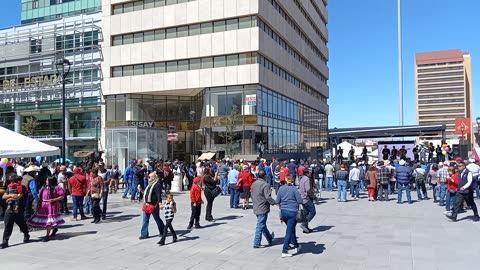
x=460 y=150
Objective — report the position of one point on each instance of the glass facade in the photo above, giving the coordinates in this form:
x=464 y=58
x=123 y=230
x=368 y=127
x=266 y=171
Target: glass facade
x=123 y=144
x=31 y=84
x=280 y=123
x=43 y=10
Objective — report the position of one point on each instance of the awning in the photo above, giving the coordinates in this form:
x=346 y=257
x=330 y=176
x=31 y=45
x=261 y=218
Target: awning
x=206 y=156
x=14 y=145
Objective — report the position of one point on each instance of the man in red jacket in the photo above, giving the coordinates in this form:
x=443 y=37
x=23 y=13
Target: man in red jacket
x=77 y=184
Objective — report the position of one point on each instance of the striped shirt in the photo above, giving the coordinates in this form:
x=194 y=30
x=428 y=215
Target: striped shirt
x=169 y=211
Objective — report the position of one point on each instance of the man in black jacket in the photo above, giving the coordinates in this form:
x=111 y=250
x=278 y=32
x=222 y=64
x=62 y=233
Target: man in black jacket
x=465 y=181
x=138 y=174
x=12 y=217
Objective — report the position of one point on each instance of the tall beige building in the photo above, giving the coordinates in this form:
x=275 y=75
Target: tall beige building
x=443 y=89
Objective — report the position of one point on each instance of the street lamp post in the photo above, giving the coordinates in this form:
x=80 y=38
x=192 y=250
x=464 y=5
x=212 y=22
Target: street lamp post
x=462 y=129
x=192 y=117
x=63 y=69
x=97 y=124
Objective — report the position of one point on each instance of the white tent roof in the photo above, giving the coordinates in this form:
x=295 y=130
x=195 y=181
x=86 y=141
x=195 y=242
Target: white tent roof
x=14 y=145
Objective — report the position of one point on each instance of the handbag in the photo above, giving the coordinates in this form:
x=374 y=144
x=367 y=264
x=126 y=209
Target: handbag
x=301 y=214
x=148 y=207
x=216 y=191
x=185 y=180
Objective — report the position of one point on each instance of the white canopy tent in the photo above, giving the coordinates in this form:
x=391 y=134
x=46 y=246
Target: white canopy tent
x=14 y=145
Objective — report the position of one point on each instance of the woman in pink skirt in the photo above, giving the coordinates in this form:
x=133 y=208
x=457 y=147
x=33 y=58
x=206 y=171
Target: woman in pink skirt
x=48 y=214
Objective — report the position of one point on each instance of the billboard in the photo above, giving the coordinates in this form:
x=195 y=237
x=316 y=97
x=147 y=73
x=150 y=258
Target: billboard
x=409 y=145
x=462 y=126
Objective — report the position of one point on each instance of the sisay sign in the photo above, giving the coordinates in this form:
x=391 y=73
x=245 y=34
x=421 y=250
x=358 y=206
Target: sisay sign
x=141 y=123
x=251 y=100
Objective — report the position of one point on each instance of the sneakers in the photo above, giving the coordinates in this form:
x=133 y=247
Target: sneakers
x=285 y=255
x=476 y=218
x=259 y=246
x=451 y=217
x=189 y=227
x=304 y=228
x=297 y=249
x=198 y=226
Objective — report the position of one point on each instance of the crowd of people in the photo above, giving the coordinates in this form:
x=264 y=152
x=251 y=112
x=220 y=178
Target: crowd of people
x=36 y=195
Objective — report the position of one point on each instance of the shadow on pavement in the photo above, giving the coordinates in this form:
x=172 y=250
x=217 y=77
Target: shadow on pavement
x=229 y=218
x=213 y=224
x=119 y=218
x=66 y=226
x=464 y=218
x=186 y=238
x=322 y=228
x=67 y=235
x=312 y=247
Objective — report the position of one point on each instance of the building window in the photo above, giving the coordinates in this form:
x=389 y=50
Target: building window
x=35 y=4
x=140 y=5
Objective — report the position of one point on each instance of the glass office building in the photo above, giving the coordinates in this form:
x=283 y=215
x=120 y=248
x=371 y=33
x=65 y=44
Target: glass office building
x=187 y=63
x=44 y=10
x=31 y=88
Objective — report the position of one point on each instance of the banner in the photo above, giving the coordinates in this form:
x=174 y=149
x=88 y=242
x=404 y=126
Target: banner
x=462 y=126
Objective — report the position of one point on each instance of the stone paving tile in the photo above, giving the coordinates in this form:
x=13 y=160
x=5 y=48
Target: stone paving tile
x=353 y=235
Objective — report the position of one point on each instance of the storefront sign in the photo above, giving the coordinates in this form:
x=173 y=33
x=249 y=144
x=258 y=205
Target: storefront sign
x=141 y=123
x=251 y=100
x=32 y=82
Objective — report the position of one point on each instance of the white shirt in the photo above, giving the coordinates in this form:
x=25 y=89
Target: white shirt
x=20 y=170
x=474 y=168
x=354 y=174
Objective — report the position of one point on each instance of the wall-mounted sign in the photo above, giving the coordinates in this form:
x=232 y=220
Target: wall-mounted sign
x=141 y=123
x=32 y=82
x=251 y=100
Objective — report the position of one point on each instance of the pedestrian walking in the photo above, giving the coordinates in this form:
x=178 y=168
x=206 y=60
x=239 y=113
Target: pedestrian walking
x=289 y=199
x=170 y=208
x=261 y=200
x=465 y=181
x=48 y=215
x=152 y=199
x=196 y=203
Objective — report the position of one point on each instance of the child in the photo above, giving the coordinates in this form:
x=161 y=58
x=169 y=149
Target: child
x=14 y=188
x=170 y=209
x=196 y=202
x=452 y=186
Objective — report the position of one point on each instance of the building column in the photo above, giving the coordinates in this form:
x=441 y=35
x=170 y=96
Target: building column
x=18 y=122
x=67 y=131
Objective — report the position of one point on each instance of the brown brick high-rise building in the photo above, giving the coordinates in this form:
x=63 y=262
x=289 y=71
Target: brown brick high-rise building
x=443 y=89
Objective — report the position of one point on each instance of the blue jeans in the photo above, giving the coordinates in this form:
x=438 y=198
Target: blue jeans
x=88 y=204
x=421 y=188
x=329 y=185
x=476 y=186
x=224 y=184
x=262 y=229
x=104 y=203
x=146 y=219
x=311 y=212
x=451 y=197
x=443 y=191
x=402 y=187
x=342 y=189
x=127 y=188
x=290 y=218
x=234 y=196
x=320 y=183
x=133 y=189
x=363 y=185
x=77 y=205
x=355 y=188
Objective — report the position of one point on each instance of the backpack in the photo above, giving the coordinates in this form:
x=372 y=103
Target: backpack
x=419 y=178
x=116 y=174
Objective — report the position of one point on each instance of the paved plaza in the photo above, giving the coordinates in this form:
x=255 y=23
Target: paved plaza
x=352 y=235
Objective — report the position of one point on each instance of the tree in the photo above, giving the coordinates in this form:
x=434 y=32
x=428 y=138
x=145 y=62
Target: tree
x=229 y=135
x=30 y=126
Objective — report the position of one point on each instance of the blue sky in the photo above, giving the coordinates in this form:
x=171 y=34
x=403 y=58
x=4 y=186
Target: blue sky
x=363 y=53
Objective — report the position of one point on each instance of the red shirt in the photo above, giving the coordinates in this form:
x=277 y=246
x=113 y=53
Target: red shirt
x=300 y=170
x=78 y=185
x=245 y=178
x=195 y=194
x=17 y=186
x=283 y=172
x=453 y=186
